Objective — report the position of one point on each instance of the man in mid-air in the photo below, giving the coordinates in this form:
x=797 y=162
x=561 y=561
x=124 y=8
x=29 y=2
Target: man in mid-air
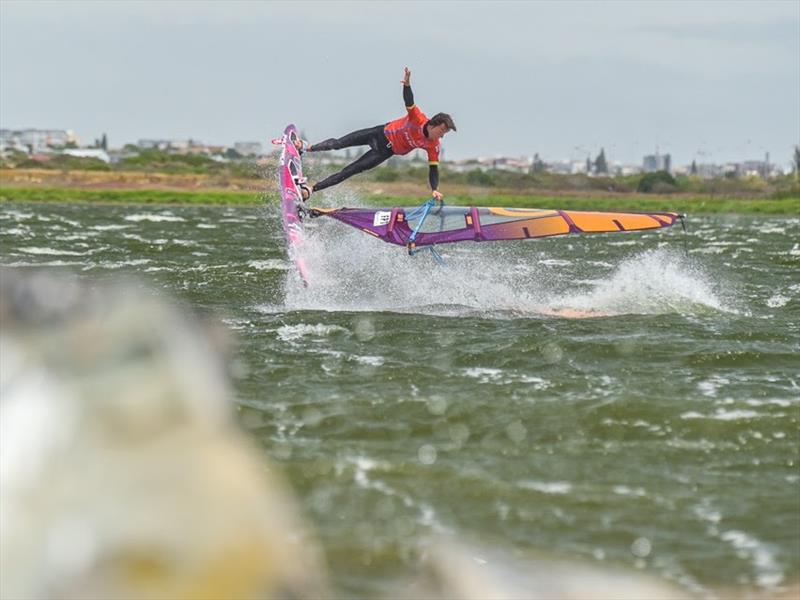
x=400 y=136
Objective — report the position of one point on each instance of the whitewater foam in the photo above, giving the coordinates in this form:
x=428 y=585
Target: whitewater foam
x=155 y=218
x=652 y=282
x=290 y=333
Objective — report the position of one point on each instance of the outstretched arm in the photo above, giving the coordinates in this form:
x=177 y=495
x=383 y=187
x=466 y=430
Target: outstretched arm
x=433 y=179
x=408 y=95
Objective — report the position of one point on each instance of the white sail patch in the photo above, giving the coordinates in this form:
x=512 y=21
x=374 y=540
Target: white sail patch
x=381 y=217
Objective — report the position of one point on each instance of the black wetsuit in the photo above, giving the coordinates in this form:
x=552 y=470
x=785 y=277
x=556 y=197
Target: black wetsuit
x=380 y=149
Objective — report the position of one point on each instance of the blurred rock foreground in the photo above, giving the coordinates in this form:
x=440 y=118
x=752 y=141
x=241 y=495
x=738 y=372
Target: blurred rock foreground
x=123 y=474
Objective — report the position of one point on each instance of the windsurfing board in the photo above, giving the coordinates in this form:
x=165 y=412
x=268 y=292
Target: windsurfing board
x=290 y=172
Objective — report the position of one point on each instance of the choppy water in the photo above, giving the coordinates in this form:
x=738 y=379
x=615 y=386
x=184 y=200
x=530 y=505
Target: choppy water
x=403 y=399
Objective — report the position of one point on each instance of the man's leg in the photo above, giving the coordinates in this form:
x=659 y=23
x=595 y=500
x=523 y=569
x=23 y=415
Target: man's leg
x=372 y=158
x=362 y=137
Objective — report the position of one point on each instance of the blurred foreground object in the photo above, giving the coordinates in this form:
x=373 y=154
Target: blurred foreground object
x=459 y=571
x=122 y=474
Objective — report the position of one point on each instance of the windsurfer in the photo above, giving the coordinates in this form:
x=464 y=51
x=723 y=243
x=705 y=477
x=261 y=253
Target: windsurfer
x=400 y=136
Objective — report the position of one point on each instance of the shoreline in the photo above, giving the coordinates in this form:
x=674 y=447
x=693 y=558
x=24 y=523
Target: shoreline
x=133 y=187
x=379 y=197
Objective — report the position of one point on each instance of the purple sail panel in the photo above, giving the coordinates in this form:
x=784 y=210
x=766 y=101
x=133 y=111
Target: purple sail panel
x=392 y=224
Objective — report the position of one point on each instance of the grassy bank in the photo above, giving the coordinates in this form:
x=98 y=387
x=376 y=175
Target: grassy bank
x=135 y=196
x=675 y=203
x=682 y=204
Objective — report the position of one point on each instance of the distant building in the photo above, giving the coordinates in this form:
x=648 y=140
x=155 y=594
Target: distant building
x=153 y=144
x=709 y=171
x=97 y=153
x=518 y=165
x=657 y=162
x=682 y=170
x=629 y=170
x=562 y=167
x=36 y=140
x=248 y=148
x=462 y=166
x=472 y=164
x=522 y=164
x=165 y=145
x=758 y=168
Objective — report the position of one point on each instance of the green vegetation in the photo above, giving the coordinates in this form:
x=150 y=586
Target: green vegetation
x=541 y=183
x=680 y=204
x=600 y=163
x=63 y=162
x=787 y=194
x=687 y=204
x=149 y=161
x=164 y=162
x=480 y=178
x=67 y=194
x=537 y=182
x=395 y=181
x=660 y=182
x=386 y=175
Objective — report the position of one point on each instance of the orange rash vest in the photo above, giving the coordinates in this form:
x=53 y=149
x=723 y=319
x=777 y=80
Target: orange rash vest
x=406 y=133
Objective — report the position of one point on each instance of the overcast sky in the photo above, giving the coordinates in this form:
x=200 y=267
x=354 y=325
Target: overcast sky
x=711 y=81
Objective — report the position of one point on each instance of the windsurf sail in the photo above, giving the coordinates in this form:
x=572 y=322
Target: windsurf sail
x=433 y=223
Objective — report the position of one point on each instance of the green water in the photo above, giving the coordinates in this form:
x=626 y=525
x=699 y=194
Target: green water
x=405 y=400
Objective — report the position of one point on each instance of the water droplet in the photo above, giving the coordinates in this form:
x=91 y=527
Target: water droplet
x=437 y=405
x=427 y=454
x=364 y=329
x=312 y=417
x=599 y=554
x=517 y=432
x=641 y=547
x=552 y=353
x=459 y=433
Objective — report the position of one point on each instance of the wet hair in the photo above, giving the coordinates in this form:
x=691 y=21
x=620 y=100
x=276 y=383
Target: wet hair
x=442 y=119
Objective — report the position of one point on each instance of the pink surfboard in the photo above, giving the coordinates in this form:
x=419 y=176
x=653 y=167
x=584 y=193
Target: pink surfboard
x=290 y=171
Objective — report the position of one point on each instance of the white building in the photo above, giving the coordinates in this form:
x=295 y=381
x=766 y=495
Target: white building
x=36 y=139
x=97 y=153
x=522 y=164
x=628 y=170
x=154 y=144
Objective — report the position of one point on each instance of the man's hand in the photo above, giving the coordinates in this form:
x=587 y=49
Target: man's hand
x=437 y=195
x=407 y=76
